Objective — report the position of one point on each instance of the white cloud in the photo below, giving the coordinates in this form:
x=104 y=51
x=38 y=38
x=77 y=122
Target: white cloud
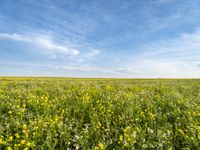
x=92 y=53
x=184 y=46
x=101 y=71
x=45 y=42
x=177 y=57
x=15 y=36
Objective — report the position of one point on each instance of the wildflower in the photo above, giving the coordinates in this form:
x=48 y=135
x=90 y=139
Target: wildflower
x=17 y=136
x=10 y=138
x=24 y=131
x=63 y=111
x=26 y=135
x=28 y=144
x=142 y=114
x=22 y=142
x=10 y=112
x=86 y=98
x=126 y=135
x=128 y=139
x=99 y=147
x=9 y=148
x=23 y=110
x=1 y=141
x=151 y=116
x=36 y=128
x=98 y=124
x=120 y=138
x=134 y=142
x=15 y=145
x=24 y=126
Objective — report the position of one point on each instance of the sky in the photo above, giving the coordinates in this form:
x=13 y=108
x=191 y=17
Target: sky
x=100 y=38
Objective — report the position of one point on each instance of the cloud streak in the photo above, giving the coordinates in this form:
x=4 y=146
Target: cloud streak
x=147 y=38
x=175 y=57
x=182 y=47
x=44 y=42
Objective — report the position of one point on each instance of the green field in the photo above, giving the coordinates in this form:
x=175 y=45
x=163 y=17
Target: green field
x=67 y=113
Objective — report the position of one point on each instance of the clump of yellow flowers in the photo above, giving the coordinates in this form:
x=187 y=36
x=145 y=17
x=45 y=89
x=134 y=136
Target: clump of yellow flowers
x=99 y=114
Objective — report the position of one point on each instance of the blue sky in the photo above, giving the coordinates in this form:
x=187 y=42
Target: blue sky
x=100 y=38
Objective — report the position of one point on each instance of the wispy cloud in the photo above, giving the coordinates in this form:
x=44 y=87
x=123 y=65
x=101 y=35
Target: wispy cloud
x=92 y=53
x=89 y=70
x=176 y=57
x=147 y=38
x=45 y=42
x=182 y=47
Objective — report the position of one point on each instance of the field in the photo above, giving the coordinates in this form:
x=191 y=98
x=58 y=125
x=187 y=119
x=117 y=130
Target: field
x=98 y=114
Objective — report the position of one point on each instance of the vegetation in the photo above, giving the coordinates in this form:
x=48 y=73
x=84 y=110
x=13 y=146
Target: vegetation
x=98 y=114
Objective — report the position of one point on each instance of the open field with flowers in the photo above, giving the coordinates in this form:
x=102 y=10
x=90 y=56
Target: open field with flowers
x=98 y=114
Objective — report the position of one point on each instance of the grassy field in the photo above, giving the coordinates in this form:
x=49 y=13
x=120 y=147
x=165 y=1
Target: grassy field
x=98 y=114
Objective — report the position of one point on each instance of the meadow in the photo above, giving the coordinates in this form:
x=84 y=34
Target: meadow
x=99 y=114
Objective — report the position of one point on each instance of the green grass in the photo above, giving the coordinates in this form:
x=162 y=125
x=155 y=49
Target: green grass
x=78 y=113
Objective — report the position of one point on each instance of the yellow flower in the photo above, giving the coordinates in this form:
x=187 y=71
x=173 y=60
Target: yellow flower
x=36 y=128
x=24 y=131
x=17 y=136
x=128 y=139
x=22 y=142
x=22 y=110
x=134 y=142
x=120 y=138
x=1 y=141
x=10 y=112
x=127 y=129
x=26 y=135
x=24 y=126
x=15 y=145
x=142 y=114
x=99 y=147
x=152 y=116
x=9 y=148
x=26 y=148
x=10 y=138
x=28 y=144
x=126 y=135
